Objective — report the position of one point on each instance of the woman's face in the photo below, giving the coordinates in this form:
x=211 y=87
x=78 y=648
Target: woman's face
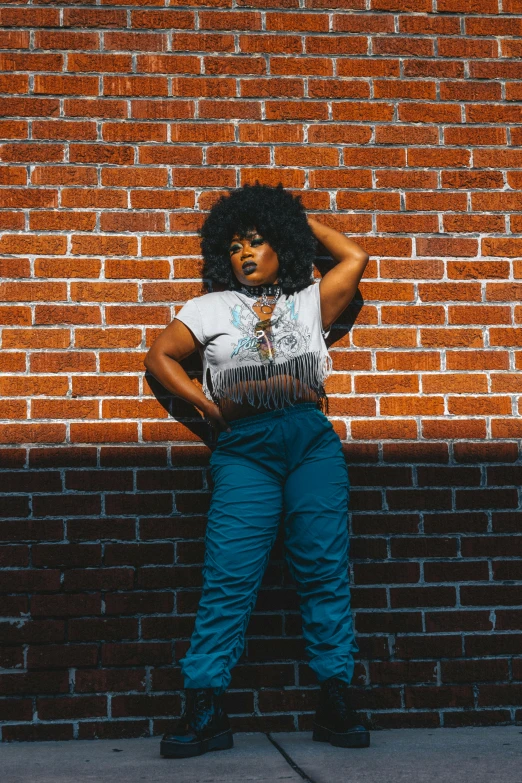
x=253 y=260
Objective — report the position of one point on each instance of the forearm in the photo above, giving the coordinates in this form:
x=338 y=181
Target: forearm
x=338 y=245
x=173 y=377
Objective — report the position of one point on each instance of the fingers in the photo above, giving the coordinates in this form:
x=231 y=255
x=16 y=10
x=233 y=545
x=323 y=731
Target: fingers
x=224 y=424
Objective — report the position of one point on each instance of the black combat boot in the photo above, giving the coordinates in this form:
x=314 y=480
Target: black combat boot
x=203 y=726
x=335 y=720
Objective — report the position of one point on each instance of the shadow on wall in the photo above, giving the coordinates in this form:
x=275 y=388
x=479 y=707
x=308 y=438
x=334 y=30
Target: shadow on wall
x=102 y=575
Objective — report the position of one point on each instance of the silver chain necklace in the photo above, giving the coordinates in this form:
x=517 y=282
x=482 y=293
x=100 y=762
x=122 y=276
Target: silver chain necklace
x=263 y=292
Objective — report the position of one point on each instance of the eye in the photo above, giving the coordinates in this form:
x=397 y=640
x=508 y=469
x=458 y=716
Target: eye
x=257 y=241
x=235 y=248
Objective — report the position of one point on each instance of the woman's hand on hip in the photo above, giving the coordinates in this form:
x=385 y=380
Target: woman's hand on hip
x=215 y=418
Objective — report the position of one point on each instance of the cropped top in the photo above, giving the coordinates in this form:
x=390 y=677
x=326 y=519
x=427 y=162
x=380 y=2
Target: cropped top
x=239 y=349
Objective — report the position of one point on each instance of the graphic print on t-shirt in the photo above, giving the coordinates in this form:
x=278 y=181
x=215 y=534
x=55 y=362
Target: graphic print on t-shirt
x=281 y=335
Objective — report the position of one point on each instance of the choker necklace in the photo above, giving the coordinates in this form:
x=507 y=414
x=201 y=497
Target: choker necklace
x=263 y=291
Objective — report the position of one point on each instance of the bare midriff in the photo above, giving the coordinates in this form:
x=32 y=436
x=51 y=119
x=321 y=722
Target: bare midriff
x=238 y=410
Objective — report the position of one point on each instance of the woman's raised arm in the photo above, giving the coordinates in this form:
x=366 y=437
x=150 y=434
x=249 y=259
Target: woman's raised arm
x=338 y=286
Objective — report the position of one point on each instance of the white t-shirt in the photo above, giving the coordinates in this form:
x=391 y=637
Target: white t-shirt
x=239 y=350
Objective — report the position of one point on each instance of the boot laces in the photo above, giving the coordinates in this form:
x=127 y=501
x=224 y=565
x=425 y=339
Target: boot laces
x=202 y=709
x=201 y=700
x=339 y=699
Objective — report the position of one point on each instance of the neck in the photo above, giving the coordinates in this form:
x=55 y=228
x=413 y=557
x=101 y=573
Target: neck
x=270 y=289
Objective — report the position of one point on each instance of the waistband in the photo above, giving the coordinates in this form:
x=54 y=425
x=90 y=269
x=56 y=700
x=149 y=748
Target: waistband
x=273 y=414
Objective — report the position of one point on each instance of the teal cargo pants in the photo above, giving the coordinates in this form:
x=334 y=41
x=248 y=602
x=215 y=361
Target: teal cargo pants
x=281 y=462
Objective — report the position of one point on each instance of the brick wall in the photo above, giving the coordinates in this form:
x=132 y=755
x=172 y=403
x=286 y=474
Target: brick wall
x=398 y=121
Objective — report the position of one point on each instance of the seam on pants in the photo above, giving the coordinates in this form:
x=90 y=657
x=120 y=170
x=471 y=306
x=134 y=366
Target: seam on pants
x=241 y=633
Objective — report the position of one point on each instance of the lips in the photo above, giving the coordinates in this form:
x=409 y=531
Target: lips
x=249 y=266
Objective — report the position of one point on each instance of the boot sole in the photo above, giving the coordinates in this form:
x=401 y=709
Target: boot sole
x=180 y=750
x=348 y=739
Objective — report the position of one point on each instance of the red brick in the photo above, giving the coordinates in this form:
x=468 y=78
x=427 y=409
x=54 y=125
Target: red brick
x=13 y=315
x=36 y=338
x=71 y=707
x=467 y=48
x=429 y=24
x=66 y=85
x=93 y=385
x=162 y=110
x=67 y=314
x=47 y=504
x=13 y=409
x=94 y=480
x=14 y=39
x=368 y=67
x=29 y=107
x=169 y=63
x=468 y=6
x=94 y=17
x=63 y=605
x=62 y=221
x=107 y=63
x=104 y=433
x=11 y=221
x=16 y=709
x=18 y=197
x=102 y=629
x=103 y=680
x=63 y=175
x=114 y=456
x=13 y=175
x=70 y=361
x=101 y=153
x=15 y=243
x=15 y=83
x=66 y=555
x=29 y=683
x=104 y=292
x=107 y=338
x=230 y=109
x=60 y=129
x=282 y=110
x=136 y=42
x=134 y=132
x=64 y=409
x=136 y=654
x=135 y=85
x=66 y=39
x=122 y=362
x=55 y=656
x=94 y=108
x=32 y=433
x=12 y=362
x=133 y=409
x=27 y=152
x=29 y=17
x=135 y=177
x=336 y=45
x=162 y=20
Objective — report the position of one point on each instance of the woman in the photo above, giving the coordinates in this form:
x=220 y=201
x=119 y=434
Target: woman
x=262 y=343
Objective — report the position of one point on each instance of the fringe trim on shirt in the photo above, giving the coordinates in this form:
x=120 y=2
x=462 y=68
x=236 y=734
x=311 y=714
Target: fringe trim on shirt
x=236 y=383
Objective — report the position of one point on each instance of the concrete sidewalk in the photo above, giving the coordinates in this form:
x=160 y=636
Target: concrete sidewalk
x=469 y=755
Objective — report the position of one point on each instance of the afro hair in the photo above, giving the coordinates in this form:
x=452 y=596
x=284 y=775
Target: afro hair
x=278 y=216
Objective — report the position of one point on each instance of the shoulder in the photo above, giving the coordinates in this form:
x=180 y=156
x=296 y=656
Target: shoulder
x=310 y=291
x=210 y=301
